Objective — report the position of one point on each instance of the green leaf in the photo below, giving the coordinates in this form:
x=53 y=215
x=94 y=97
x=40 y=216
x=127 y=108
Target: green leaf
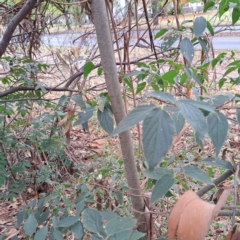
x=208 y=5
x=32 y=203
x=30 y=226
x=229 y=70
x=62 y=100
x=99 y=236
x=133 y=118
x=107 y=216
x=120 y=224
x=169 y=41
x=158 y=131
x=160 y=33
x=178 y=121
x=217 y=130
x=221 y=82
x=189 y=72
x=161 y=188
x=55 y=221
x=99 y=71
x=198 y=140
x=68 y=221
x=187 y=50
x=218 y=163
x=164 y=96
x=126 y=234
x=41 y=204
x=41 y=233
x=210 y=28
x=199 y=104
x=235 y=14
x=79 y=207
x=140 y=87
x=92 y=220
x=199 y=26
x=235 y=63
x=204 y=47
x=105 y=119
x=223 y=7
x=219 y=100
x=197 y=174
x=119 y=196
x=169 y=76
x=157 y=173
x=57 y=235
x=129 y=83
x=43 y=217
x=134 y=73
x=87 y=68
x=78 y=230
x=195 y=117
x=78 y=100
x=183 y=78
x=20 y=217
x=238 y=115
x=84 y=116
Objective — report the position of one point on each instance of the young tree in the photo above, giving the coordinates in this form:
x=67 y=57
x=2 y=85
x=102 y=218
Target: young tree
x=110 y=71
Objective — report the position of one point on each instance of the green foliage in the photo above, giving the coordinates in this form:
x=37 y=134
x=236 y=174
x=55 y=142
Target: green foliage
x=105 y=118
x=160 y=33
x=160 y=134
x=208 y=5
x=218 y=163
x=187 y=50
x=161 y=187
x=36 y=219
x=161 y=123
x=197 y=174
x=168 y=41
x=217 y=130
x=199 y=26
x=41 y=138
x=88 y=67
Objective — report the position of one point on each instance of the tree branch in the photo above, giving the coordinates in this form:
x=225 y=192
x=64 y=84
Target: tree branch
x=216 y=181
x=25 y=88
x=27 y=7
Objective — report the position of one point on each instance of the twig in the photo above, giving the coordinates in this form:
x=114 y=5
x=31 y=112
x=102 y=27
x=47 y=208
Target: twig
x=216 y=181
x=177 y=139
x=26 y=88
x=73 y=3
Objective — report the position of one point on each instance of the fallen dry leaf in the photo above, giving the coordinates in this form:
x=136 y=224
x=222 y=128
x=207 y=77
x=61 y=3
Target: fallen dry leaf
x=233 y=234
x=67 y=122
x=191 y=216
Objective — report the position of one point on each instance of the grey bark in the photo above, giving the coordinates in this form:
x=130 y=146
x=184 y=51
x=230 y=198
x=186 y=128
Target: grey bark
x=27 y=7
x=216 y=181
x=66 y=16
x=110 y=71
x=154 y=11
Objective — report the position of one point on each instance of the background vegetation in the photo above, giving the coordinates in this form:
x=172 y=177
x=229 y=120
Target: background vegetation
x=66 y=86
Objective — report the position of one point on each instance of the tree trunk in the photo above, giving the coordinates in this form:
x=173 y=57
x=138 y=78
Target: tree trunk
x=27 y=7
x=154 y=11
x=165 y=11
x=105 y=44
x=65 y=13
